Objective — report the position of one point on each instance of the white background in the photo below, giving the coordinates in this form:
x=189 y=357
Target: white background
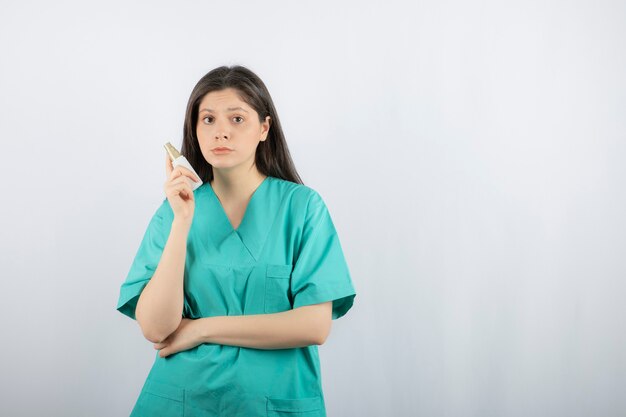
x=471 y=155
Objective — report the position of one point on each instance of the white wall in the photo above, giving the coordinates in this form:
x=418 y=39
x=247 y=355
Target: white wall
x=476 y=179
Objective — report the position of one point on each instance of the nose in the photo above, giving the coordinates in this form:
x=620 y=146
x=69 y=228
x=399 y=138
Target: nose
x=221 y=132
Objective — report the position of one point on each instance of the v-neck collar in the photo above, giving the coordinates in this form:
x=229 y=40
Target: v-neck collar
x=245 y=214
x=253 y=229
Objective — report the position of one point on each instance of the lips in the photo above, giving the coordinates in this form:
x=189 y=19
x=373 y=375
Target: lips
x=221 y=151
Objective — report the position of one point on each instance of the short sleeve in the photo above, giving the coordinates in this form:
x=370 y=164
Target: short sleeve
x=146 y=260
x=320 y=272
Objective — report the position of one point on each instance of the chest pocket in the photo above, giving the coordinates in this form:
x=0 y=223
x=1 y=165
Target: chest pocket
x=277 y=293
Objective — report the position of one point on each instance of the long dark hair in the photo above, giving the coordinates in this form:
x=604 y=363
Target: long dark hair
x=272 y=156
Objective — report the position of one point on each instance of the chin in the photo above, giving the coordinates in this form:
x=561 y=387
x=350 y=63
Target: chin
x=218 y=161
x=222 y=164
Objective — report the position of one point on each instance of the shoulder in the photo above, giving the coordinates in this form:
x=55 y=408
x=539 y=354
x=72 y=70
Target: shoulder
x=300 y=194
x=305 y=202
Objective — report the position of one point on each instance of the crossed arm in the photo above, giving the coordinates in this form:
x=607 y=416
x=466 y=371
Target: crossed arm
x=302 y=326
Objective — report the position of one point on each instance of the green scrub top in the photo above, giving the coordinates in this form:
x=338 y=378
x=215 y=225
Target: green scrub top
x=285 y=254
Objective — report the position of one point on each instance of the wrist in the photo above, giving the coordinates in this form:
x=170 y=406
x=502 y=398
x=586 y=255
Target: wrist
x=203 y=331
x=182 y=223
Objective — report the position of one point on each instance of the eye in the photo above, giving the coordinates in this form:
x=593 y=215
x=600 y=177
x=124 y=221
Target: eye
x=211 y=119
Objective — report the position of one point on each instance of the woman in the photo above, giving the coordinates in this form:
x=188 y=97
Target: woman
x=236 y=282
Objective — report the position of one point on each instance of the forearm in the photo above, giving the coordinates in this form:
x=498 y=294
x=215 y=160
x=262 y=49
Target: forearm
x=300 y=327
x=160 y=306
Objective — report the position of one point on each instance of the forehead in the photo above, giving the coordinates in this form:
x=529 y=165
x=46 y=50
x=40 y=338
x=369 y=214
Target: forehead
x=222 y=99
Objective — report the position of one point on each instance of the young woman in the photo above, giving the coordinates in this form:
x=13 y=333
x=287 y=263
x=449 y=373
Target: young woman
x=238 y=281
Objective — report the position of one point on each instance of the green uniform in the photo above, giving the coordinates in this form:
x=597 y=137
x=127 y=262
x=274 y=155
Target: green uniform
x=285 y=254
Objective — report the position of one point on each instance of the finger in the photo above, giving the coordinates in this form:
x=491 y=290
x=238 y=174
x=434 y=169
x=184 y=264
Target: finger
x=176 y=172
x=182 y=177
x=182 y=181
x=187 y=193
x=180 y=170
x=177 y=184
x=168 y=165
x=188 y=173
x=184 y=188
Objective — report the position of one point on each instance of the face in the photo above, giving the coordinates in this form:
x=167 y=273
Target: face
x=225 y=120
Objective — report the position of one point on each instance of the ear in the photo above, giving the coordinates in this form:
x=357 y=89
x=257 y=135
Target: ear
x=265 y=128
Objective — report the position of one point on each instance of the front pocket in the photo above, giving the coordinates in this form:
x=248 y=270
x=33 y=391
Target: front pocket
x=159 y=399
x=292 y=407
x=277 y=292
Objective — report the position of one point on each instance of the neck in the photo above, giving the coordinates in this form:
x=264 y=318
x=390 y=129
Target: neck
x=233 y=185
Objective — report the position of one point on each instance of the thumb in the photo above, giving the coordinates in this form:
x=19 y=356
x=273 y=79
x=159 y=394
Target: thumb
x=168 y=165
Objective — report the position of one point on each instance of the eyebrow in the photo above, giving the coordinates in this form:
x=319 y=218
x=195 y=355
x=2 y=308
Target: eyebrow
x=229 y=109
